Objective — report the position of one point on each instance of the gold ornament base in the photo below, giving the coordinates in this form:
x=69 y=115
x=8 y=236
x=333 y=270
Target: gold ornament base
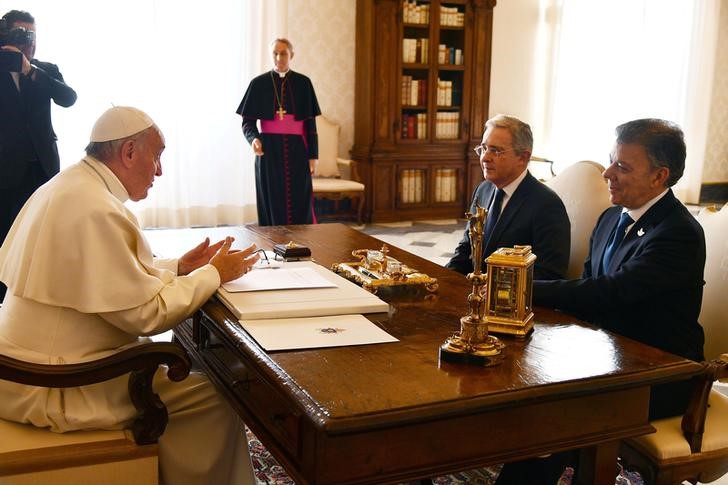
x=472 y=345
x=517 y=328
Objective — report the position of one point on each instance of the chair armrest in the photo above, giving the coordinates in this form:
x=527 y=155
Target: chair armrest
x=350 y=167
x=693 y=421
x=141 y=361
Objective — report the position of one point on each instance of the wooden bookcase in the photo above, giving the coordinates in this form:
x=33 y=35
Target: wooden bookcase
x=420 y=108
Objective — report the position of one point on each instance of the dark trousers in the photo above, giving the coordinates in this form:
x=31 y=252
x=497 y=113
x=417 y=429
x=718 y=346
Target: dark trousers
x=666 y=400
x=13 y=198
x=537 y=471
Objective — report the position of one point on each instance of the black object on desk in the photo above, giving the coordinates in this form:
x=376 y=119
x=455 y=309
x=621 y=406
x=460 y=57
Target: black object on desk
x=291 y=250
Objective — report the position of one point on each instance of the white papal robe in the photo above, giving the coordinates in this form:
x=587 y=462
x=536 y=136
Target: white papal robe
x=82 y=284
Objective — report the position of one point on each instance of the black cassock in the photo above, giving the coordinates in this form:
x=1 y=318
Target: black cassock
x=282 y=175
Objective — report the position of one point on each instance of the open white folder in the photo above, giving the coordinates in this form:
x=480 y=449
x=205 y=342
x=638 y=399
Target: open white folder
x=315 y=332
x=341 y=298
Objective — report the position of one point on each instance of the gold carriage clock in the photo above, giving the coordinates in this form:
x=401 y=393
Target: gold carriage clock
x=508 y=306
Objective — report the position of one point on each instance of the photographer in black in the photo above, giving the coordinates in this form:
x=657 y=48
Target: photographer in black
x=28 y=152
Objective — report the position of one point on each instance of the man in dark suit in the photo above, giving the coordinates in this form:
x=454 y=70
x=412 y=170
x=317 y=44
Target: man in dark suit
x=521 y=210
x=643 y=277
x=28 y=152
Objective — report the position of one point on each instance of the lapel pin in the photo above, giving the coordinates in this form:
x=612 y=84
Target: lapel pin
x=641 y=232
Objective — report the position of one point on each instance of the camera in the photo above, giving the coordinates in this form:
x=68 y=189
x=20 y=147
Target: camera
x=17 y=37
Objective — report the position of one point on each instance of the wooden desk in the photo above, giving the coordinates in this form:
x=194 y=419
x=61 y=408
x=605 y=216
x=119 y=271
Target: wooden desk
x=392 y=412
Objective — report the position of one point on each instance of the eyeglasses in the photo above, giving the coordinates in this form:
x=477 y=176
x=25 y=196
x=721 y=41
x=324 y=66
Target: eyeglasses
x=497 y=152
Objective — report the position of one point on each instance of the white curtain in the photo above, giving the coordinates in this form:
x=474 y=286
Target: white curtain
x=187 y=64
x=613 y=61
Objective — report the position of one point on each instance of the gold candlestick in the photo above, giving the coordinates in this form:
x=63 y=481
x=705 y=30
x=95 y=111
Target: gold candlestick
x=472 y=343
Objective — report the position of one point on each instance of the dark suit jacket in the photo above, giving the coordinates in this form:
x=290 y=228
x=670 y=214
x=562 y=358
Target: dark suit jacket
x=535 y=216
x=27 y=114
x=653 y=287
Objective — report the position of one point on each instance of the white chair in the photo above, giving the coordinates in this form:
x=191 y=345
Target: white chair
x=714 y=312
x=336 y=178
x=584 y=193
x=694 y=447
x=31 y=455
x=541 y=168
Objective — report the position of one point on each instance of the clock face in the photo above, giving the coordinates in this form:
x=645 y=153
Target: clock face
x=503 y=290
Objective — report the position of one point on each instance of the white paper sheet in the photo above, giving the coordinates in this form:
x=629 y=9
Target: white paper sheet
x=284 y=278
x=315 y=332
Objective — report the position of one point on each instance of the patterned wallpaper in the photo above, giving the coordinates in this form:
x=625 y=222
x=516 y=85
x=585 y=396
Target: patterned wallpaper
x=323 y=34
x=715 y=168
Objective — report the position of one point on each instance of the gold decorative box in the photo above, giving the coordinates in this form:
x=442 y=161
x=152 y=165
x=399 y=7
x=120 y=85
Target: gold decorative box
x=376 y=269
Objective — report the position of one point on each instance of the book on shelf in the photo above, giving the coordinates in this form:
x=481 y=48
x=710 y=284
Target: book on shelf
x=414 y=126
x=414 y=91
x=405 y=184
x=411 y=126
x=449 y=55
x=421 y=126
x=419 y=185
x=447 y=125
x=445 y=185
x=415 y=13
x=445 y=93
x=451 y=17
x=412 y=183
x=415 y=50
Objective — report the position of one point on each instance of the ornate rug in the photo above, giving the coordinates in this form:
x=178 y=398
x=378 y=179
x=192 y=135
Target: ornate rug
x=269 y=472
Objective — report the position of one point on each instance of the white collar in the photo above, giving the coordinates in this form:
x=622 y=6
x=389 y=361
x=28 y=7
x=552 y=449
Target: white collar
x=635 y=214
x=108 y=177
x=511 y=188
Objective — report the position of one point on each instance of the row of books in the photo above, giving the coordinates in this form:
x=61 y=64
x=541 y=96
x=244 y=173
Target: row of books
x=415 y=50
x=447 y=125
x=451 y=17
x=446 y=182
x=419 y=13
x=415 y=13
x=449 y=55
x=414 y=125
x=414 y=91
x=448 y=94
x=412 y=186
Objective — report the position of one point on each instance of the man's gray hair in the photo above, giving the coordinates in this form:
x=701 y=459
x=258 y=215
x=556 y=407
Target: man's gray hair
x=663 y=141
x=106 y=151
x=283 y=40
x=520 y=132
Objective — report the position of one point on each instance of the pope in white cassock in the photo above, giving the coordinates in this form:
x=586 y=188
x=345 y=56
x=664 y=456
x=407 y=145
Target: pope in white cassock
x=83 y=284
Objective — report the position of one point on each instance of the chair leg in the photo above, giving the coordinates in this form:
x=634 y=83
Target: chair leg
x=360 y=210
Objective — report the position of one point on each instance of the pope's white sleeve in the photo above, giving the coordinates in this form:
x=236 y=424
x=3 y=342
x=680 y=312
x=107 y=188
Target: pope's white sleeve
x=174 y=303
x=170 y=264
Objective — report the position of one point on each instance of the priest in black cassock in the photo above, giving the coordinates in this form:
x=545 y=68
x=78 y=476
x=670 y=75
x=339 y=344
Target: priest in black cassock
x=286 y=146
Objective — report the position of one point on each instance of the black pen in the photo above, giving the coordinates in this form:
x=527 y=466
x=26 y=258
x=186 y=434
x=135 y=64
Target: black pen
x=368 y=273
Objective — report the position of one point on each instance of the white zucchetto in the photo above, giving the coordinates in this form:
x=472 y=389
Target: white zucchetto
x=120 y=122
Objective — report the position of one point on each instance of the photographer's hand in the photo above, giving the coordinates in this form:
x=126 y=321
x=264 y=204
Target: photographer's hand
x=26 y=67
